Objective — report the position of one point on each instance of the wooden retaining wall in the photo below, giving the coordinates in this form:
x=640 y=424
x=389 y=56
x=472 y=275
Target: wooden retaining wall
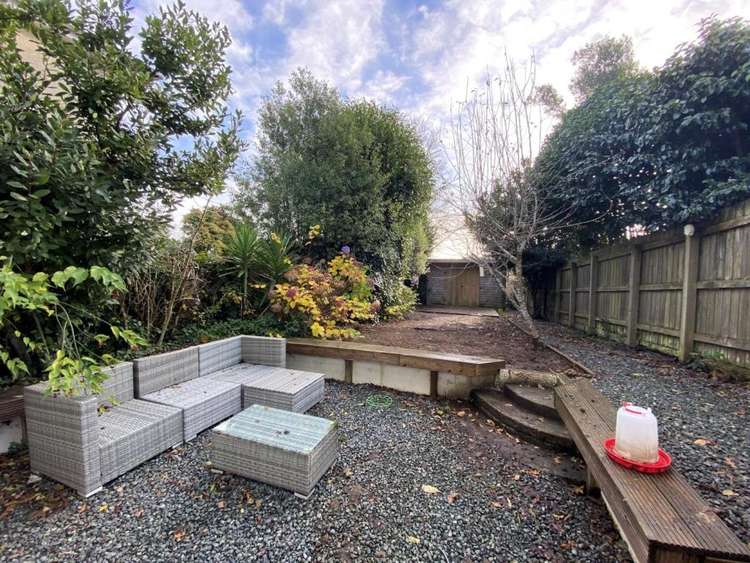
x=675 y=292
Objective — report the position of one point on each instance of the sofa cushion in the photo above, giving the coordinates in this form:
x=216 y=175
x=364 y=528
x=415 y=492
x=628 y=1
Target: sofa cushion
x=204 y=402
x=135 y=431
x=281 y=388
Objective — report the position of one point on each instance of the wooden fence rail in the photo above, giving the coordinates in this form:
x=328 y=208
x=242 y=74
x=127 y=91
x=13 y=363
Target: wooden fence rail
x=681 y=292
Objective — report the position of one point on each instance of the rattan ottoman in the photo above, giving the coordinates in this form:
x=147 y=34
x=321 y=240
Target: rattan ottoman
x=278 y=447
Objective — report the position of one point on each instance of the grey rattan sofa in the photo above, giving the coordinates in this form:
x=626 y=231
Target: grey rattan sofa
x=71 y=442
x=178 y=394
x=214 y=381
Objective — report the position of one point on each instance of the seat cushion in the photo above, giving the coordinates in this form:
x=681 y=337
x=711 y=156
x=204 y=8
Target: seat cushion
x=135 y=431
x=204 y=402
x=281 y=388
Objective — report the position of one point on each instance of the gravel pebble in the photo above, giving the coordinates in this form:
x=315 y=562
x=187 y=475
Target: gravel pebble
x=370 y=506
x=689 y=407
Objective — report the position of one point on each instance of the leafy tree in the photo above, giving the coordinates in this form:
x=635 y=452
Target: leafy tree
x=356 y=169
x=98 y=146
x=213 y=226
x=550 y=100
x=599 y=62
x=658 y=149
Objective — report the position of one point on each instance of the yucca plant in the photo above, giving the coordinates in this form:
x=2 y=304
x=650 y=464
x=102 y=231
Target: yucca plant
x=276 y=257
x=242 y=258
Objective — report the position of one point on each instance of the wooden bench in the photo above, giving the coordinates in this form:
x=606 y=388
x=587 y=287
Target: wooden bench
x=435 y=362
x=660 y=517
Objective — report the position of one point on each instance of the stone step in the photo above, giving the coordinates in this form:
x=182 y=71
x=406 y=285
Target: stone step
x=531 y=426
x=539 y=400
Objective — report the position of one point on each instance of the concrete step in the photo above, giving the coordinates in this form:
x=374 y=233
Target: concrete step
x=531 y=426
x=539 y=400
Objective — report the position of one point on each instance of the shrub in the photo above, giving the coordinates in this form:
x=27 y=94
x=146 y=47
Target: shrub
x=397 y=300
x=330 y=299
x=44 y=329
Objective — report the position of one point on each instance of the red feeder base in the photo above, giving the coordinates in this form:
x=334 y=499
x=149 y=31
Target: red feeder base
x=660 y=466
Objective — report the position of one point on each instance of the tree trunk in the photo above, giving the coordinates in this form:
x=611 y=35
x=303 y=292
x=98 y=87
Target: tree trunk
x=517 y=291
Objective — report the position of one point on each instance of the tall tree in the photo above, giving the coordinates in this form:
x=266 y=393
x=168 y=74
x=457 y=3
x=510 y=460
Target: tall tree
x=356 y=169
x=658 y=149
x=601 y=61
x=496 y=134
x=214 y=226
x=100 y=144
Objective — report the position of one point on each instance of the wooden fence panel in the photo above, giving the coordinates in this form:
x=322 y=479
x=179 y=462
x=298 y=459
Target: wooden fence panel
x=707 y=289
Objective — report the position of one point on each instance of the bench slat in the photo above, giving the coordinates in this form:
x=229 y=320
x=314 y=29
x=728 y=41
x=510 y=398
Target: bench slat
x=653 y=511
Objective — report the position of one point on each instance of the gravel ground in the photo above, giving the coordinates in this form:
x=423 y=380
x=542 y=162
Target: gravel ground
x=703 y=423
x=369 y=506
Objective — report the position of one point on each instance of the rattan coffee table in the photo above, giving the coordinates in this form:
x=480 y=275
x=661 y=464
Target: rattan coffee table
x=278 y=447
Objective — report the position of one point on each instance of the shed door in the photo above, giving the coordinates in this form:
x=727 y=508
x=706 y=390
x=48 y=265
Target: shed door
x=463 y=287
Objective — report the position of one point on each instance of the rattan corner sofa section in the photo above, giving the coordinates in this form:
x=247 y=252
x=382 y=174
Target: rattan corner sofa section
x=155 y=403
x=71 y=442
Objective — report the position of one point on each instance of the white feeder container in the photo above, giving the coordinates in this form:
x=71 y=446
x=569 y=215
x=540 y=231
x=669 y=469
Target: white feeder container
x=637 y=434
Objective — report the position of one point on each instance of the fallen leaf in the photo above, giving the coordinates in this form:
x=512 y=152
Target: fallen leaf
x=461 y=413
x=412 y=539
x=496 y=504
x=452 y=497
x=579 y=490
x=221 y=504
x=701 y=442
x=103 y=507
x=730 y=462
x=83 y=508
x=138 y=513
x=119 y=488
x=430 y=490
x=516 y=477
x=178 y=535
x=347 y=472
x=729 y=493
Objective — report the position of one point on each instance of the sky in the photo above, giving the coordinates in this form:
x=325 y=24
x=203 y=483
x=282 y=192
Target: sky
x=420 y=57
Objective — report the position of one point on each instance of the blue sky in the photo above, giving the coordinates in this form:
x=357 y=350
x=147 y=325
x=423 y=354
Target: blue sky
x=420 y=57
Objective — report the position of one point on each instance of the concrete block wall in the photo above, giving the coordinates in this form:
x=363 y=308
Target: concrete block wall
x=437 y=284
x=400 y=378
x=490 y=294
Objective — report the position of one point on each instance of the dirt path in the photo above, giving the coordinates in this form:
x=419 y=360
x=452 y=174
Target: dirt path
x=462 y=334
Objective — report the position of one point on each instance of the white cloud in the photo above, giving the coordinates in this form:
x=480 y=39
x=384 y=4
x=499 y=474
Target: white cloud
x=337 y=40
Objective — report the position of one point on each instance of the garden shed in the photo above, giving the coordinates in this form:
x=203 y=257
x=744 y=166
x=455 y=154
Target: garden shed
x=453 y=278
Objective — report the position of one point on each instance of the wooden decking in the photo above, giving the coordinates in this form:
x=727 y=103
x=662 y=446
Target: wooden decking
x=661 y=517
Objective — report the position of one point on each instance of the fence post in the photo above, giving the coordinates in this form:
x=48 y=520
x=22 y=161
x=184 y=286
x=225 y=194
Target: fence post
x=593 y=282
x=689 y=292
x=572 y=294
x=634 y=292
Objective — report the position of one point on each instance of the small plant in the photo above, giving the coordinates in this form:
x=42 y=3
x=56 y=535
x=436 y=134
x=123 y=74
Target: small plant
x=71 y=367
